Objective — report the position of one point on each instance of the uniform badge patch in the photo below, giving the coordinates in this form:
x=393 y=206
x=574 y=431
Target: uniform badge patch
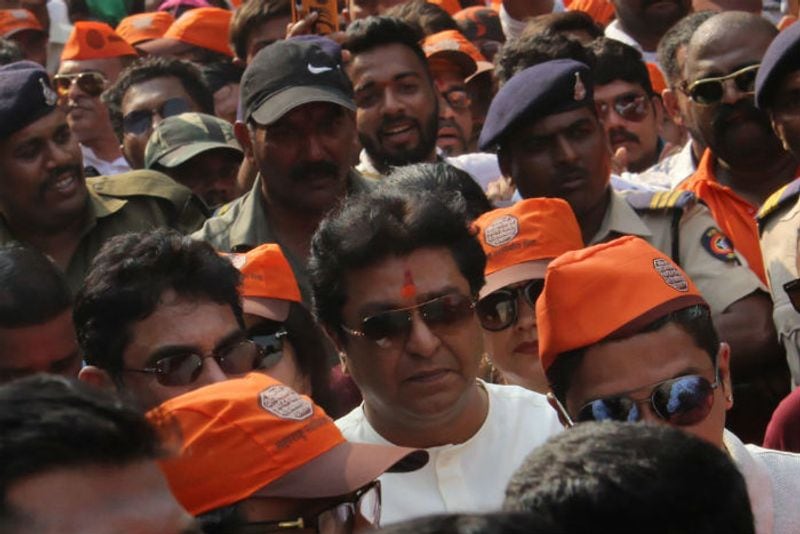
x=284 y=402
x=580 y=89
x=718 y=245
x=501 y=230
x=50 y=96
x=672 y=276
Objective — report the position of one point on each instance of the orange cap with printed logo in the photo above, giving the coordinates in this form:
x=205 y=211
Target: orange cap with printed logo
x=519 y=241
x=203 y=27
x=254 y=436
x=607 y=291
x=143 y=27
x=16 y=20
x=95 y=40
x=268 y=282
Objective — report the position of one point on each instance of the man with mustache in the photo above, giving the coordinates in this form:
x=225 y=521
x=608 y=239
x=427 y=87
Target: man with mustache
x=551 y=144
x=301 y=136
x=92 y=60
x=45 y=201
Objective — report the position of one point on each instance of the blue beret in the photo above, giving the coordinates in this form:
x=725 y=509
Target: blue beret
x=781 y=58
x=544 y=89
x=25 y=96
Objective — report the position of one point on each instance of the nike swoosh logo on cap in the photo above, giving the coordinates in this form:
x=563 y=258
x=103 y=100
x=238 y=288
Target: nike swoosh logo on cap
x=318 y=70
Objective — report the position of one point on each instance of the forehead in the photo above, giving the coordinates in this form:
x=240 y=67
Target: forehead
x=552 y=124
x=50 y=340
x=615 y=89
x=108 y=66
x=151 y=93
x=299 y=116
x=445 y=72
x=38 y=128
x=724 y=53
x=385 y=63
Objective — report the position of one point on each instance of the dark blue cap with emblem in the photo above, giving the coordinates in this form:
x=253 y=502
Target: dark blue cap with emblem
x=781 y=58
x=25 y=96
x=544 y=89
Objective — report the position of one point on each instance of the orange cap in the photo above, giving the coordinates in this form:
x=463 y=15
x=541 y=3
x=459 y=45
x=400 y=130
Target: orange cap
x=95 y=40
x=451 y=6
x=601 y=11
x=204 y=27
x=268 y=282
x=520 y=241
x=453 y=46
x=656 y=78
x=142 y=27
x=254 y=436
x=610 y=290
x=16 y=20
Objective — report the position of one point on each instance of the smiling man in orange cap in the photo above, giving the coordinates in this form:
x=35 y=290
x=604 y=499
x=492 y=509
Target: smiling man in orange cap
x=92 y=60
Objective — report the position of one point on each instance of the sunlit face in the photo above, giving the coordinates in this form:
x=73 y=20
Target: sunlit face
x=87 y=115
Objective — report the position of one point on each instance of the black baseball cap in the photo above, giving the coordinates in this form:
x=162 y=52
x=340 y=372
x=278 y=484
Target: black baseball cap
x=288 y=74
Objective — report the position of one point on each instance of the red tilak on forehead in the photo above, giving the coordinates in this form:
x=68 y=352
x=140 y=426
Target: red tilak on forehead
x=409 y=289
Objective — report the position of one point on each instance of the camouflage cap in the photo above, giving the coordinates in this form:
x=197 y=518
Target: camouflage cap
x=179 y=138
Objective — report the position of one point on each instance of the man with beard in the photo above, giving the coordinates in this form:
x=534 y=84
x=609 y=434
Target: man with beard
x=642 y=23
x=744 y=162
x=551 y=144
x=44 y=199
x=298 y=107
x=92 y=60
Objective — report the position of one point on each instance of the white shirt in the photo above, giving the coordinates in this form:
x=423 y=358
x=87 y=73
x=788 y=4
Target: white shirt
x=667 y=173
x=614 y=31
x=105 y=168
x=470 y=476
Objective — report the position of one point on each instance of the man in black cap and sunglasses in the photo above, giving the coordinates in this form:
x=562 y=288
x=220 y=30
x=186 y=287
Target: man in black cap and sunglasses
x=395 y=277
x=625 y=335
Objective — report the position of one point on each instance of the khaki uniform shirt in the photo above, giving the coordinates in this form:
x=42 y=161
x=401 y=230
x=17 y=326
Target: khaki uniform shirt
x=721 y=275
x=129 y=202
x=243 y=224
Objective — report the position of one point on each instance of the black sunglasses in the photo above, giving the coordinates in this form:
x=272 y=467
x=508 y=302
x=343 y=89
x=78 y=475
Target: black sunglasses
x=391 y=328
x=499 y=310
x=183 y=368
x=792 y=289
x=682 y=401
x=708 y=91
x=630 y=106
x=271 y=347
x=140 y=121
x=91 y=83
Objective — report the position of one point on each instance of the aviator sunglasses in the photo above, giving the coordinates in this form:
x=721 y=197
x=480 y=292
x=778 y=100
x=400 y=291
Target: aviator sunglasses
x=499 y=309
x=708 y=91
x=139 y=121
x=630 y=106
x=682 y=401
x=391 y=328
x=91 y=83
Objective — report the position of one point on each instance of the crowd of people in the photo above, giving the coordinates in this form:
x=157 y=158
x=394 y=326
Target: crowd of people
x=443 y=266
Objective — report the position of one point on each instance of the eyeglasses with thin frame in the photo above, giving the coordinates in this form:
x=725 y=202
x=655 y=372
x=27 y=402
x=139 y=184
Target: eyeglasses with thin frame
x=184 y=367
x=338 y=519
x=710 y=91
x=391 y=328
x=141 y=120
x=682 y=401
x=630 y=106
x=500 y=309
x=792 y=289
x=90 y=82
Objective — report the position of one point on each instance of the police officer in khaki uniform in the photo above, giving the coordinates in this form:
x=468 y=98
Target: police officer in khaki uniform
x=45 y=200
x=551 y=144
x=777 y=85
x=300 y=115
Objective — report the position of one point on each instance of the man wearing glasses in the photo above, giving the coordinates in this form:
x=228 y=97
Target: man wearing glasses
x=638 y=344
x=395 y=277
x=552 y=144
x=92 y=60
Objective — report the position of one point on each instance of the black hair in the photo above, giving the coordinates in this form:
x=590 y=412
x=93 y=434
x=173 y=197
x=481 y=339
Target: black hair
x=365 y=35
x=492 y=523
x=676 y=38
x=632 y=477
x=10 y=52
x=219 y=74
x=49 y=422
x=129 y=276
x=386 y=222
x=564 y=22
x=529 y=50
x=694 y=320
x=429 y=18
x=442 y=179
x=249 y=16
x=152 y=67
x=615 y=60
x=33 y=290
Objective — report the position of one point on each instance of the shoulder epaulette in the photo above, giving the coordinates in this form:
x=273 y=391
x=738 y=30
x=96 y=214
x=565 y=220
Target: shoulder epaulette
x=777 y=200
x=660 y=200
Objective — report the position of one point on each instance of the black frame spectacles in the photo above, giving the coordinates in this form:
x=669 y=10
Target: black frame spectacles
x=710 y=91
x=500 y=309
x=630 y=106
x=90 y=82
x=337 y=519
x=392 y=327
x=140 y=121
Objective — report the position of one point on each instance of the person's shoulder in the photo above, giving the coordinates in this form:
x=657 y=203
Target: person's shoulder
x=778 y=202
x=521 y=412
x=353 y=425
x=660 y=201
x=216 y=229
